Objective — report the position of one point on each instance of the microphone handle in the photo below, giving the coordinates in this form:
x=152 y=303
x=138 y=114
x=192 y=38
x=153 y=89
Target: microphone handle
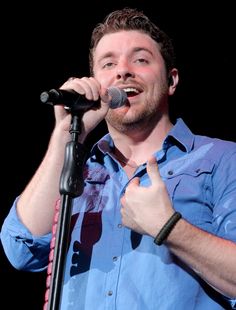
x=69 y=99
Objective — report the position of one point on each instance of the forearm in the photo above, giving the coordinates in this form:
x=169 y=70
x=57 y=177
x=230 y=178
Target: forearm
x=213 y=258
x=36 y=204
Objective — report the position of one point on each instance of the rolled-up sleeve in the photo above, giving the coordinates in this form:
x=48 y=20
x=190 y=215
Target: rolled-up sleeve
x=23 y=250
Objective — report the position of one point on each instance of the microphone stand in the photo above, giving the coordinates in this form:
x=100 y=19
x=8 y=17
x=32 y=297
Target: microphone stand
x=71 y=186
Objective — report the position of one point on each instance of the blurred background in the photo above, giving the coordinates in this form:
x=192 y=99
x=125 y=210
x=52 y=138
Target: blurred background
x=42 y=45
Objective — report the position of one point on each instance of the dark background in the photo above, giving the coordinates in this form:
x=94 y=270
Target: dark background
x=42 y=45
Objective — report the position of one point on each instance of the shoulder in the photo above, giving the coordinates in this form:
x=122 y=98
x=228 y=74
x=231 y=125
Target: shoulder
x=217 y=150
x=215 y=143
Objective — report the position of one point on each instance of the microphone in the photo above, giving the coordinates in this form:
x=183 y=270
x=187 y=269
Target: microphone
x=77 y=102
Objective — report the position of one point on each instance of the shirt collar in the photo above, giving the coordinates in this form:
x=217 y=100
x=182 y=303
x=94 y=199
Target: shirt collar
x=102 y=147
x=179 y=134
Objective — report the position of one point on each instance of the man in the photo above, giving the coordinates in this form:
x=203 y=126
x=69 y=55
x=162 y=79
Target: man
x=155 y=225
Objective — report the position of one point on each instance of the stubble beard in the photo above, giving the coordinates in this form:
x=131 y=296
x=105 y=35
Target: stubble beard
x=139 y=118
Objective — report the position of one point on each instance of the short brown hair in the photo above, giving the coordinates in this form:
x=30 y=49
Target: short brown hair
x=133 y=19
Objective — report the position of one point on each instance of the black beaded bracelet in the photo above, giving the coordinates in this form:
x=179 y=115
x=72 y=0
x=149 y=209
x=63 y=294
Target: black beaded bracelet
x=166 y=229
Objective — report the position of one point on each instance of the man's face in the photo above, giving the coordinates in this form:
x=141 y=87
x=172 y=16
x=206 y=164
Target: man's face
x=131 y=60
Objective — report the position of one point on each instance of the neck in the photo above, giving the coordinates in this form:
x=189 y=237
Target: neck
x=123 y=160
x=137 y=147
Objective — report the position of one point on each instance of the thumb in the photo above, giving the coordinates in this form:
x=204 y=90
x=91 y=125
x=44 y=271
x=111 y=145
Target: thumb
x=152 y=170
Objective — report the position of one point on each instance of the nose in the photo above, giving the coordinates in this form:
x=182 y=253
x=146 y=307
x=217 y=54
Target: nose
x=124 y=71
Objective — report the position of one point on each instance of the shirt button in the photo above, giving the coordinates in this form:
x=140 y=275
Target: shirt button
x=170 y=172
x=114 y=258
x=119 y=225
x=109 y=293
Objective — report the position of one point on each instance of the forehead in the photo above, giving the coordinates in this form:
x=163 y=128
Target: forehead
x=123 y=41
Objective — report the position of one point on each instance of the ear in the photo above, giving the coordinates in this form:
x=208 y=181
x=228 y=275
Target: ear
x=173 y=80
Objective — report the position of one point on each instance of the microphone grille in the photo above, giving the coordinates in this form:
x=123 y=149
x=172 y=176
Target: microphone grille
x=118 y=97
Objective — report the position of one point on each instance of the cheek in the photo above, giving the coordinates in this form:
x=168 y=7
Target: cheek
x=104 y=79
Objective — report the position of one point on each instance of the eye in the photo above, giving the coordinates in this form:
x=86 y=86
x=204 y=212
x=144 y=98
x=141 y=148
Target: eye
x=141 y=60
x=108 y=65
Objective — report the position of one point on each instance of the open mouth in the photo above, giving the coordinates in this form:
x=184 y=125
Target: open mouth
x=131 y=91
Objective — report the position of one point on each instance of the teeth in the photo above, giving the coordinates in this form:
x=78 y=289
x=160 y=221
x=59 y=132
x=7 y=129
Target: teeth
x=131 y=89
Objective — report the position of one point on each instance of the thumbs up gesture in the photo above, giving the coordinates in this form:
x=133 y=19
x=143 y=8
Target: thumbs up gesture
x=146 y=209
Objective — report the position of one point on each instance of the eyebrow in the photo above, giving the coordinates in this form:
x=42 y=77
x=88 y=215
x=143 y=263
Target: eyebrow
x=140 y=49
x=134 y=50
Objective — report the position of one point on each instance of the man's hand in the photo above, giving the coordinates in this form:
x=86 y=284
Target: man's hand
x=146 y=209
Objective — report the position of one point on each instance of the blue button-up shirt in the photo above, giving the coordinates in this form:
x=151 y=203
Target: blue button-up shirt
x=110 y=267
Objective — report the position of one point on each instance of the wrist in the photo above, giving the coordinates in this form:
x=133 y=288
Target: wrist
x=167 y=228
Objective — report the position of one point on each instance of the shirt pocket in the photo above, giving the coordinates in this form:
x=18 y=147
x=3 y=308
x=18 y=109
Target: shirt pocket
x=189 y=187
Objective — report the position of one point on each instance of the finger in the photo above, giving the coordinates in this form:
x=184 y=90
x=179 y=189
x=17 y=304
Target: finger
x=122 y=200
x=152 y=170
x=60 y=112
x=91 y=90
x=72 y=78
x=134 y=183
x=96 y=88
x=84 y=86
